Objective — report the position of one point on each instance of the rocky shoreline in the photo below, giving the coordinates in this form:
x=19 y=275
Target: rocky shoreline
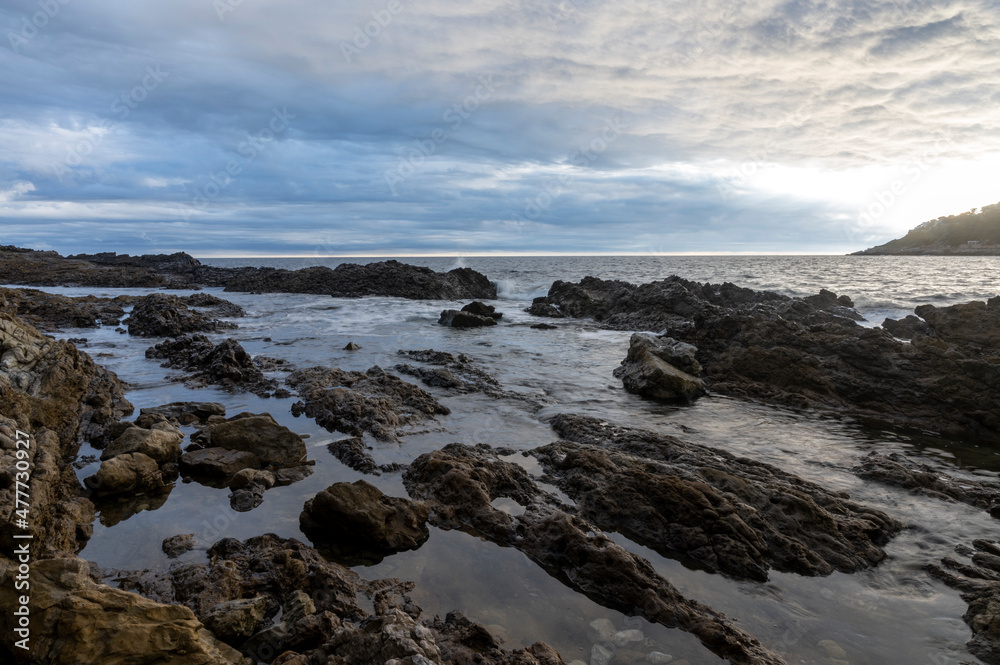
x=284 y=602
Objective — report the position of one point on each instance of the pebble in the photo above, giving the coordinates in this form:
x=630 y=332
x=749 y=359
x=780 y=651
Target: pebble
x=601 y=631
x=658 y=657
x=832 y=649
x=624 y=637
x=600 y=655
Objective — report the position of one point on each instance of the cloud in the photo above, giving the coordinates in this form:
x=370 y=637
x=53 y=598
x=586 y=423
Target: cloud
x=745 y=125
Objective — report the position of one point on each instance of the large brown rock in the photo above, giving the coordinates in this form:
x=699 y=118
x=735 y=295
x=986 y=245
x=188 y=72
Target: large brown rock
x=358 y=517
x=126 y=474
x=75 y=620
x=260 y=434
x=658 y=368
x=218 y=463
x=160 y=444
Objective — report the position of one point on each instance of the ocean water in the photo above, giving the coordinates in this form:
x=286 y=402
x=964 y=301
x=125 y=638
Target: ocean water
x=894 y=613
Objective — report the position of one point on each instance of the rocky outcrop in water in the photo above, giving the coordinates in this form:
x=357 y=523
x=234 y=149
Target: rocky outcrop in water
x=187 y=413
x=162 y=315
x=75 y=620
x=896 y=470
x=226 y=364
x=320 y=618
x=708 y=507
x=459 y=484
x=49 y=312
x=661 y=368
x=979 y=583
x=357 y=402
x=357 y=521
x=456 y=374
x=473 y=315
x=180 y=270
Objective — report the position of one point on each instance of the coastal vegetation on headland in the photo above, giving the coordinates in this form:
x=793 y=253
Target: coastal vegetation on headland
x=972 y=233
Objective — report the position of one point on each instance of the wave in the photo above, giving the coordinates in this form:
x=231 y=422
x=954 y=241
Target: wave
x=508 y=289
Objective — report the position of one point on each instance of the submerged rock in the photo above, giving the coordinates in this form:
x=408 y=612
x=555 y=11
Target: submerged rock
x=174 y=546
x=456 y=319
x=360 y=521
x=358 y=402
x=187 y=413
x=459 y=484
x=659 y=368
x=979 y=584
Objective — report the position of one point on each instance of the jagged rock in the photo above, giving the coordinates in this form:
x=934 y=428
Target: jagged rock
x=187 y=413
x=975 y=324
x=214 y=305
x=248 y=476
x=721 y=512
x=49 y=311
x=457 y=374
x=174 y=546
x=459 y=484
x=235 y=620
x=162 y=446
x=541 y=307
x=979 y=585
x=353 y=452
x=162 y=315
x=359 y=519
x=351 y=346
x=127 y=473
x=894 y=469
x=227 y=364
x=653 y=367
x=482 y=309
x=260 y=434
x=358 y=402
x=75 y=620
x=906 y=328
x=218 y=463
x=543 y=326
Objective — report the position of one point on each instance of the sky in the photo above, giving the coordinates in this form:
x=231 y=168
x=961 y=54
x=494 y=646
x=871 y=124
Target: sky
x=404 y=127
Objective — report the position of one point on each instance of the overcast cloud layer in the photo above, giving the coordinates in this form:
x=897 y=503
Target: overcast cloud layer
x=238 y=127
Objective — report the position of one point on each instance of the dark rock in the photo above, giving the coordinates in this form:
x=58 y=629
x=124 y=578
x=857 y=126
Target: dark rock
x=541 y=307
x=214 y=305
x=358 y=402
x=174 y=546
x=457 y=319
x=482 y=309
x=273 y=444
x=351 y=346
x=658 y=367
x=979 y=585
x=456 y=374
x=353 y=453
x=227 y=364
x=246 y=499
x=906 y=328
x=543 y=326
x=48 y=311
x=187 y=413
x=162 y=315
x=357 y=519
x=974 y=325
x=724 y=513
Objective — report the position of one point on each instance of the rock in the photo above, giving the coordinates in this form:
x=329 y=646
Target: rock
x=353 y=452
x=358 y=402
x=246 y=499
x=482 y=309
x=351 y=280
x=647 y=369
x=249 y=476
x=273 y=444
x=188 y=413
x=543 y=326
x=162 y=315
x=459 y=484
x=235 y=620
x=351 y=346
x=48 y=311
x=979 y=585
x=226 y=364
x=601 y=655
x=458 y=375
x=602 y=631
x=162 y=446
x=214 y=305
x=906 y=328
x=832 y=649
x=658 y=658
x=174 y=546
x=124 y=474
x=625 y=637
x=894 y=469
x=540 y=307
x=75 y=620
x=726 y=513
x=358 y=517
x=457 y=319
x=218 y=463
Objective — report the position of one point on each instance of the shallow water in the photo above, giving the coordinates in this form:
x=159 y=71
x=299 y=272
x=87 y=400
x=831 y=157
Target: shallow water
x=893 y=613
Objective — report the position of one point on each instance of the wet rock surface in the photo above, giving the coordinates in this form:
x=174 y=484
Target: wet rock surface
x=226 y=364
x=163 y=315
x=455 y=373
x=186 y=413
x=894 y=469
x=320 y=618
x=661 y=368
x=358 y=522
x=353 y=452
x=76 y=620
x=708 y=507
x=473 y=315
x=357 y=402
x=976 y=574
x=49 y=312
x=459 y=484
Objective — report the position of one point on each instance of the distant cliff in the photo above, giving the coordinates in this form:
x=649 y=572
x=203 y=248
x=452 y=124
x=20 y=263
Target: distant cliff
x=969 y=234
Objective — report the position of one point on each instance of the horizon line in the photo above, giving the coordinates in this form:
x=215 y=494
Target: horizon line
x=501 y=254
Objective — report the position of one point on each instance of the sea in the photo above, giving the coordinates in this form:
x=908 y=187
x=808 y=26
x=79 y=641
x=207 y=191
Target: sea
x=893 y=613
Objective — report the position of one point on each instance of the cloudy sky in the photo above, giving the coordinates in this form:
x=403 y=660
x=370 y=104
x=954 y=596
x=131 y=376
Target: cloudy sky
x=258 y=127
